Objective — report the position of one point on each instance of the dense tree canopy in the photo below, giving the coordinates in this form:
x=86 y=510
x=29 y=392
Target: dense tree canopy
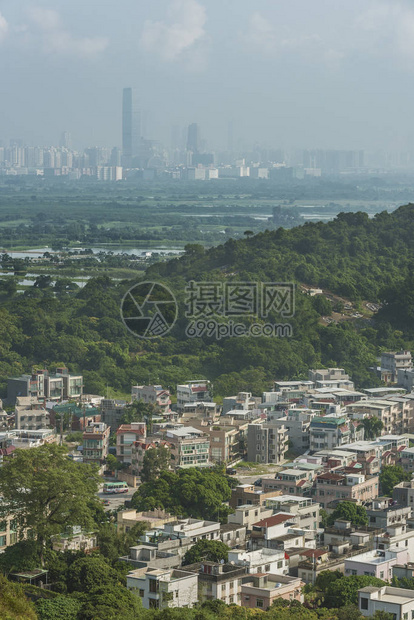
x=45 y=491
x=209 y=550
x=188 y=493
x=354 y=513
x=390 y=476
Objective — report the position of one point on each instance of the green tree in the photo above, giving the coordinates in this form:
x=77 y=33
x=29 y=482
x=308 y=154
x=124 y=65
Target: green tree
x=372 y=427
x=113 y=463
x=351 y=512
x=110 y=602
x=46 y=491
x=344 y=591
x=209 y=550
x=155 y=461
x=189 y=492
x=113 y=544
x=390 y=476
x=89 y=572
x=24 y=555
x=56 y=608
x=13 y=603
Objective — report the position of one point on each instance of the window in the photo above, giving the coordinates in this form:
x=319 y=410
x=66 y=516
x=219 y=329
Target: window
x=141 y=593
x=363 y=603
x=259 y=602
x=280 y=564
x=153 y=585
x=223 y=587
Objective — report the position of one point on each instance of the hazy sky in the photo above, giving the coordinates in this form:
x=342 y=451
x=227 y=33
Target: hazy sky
x=290 y=73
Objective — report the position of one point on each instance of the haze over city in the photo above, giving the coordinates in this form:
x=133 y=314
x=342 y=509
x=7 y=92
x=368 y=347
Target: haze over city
x=326 y=74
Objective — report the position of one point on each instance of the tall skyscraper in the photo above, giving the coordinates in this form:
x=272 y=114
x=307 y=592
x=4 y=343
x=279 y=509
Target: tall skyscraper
x=131 y=127
x=193 y=138
x=127 y=127
x=66 y=140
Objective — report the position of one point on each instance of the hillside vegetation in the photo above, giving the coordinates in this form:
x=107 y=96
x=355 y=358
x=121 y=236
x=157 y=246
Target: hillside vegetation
x=353 y=256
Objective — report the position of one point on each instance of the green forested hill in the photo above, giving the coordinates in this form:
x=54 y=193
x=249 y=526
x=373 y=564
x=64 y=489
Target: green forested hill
x=353 y=255
x=356 y=257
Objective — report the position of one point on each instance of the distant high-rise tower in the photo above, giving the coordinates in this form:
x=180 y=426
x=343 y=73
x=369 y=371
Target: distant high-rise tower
x=127 y=127
x=66 y=140
x=131 y=127
x=193 y=138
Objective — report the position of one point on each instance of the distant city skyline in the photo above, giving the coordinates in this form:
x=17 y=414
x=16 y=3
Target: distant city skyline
x=326 y=74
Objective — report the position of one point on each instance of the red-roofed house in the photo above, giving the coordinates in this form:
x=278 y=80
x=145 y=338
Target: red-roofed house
x=272 y=527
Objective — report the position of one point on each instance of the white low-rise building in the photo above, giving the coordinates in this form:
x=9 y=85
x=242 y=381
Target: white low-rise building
x=160 y=589
x=396 y=601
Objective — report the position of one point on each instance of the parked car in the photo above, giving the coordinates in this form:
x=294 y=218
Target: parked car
x=231 y=471
x=258 y=482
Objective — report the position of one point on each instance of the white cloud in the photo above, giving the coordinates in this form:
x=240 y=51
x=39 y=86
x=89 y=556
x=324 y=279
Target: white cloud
x=56 y=39
x=4 y=27
x=183 y=29
x=388 y=27
x=261 y=35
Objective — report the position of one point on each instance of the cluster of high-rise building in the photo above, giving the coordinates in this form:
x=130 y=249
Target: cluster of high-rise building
x=188 y=156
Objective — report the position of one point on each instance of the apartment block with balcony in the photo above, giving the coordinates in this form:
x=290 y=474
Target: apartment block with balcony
x=243 y=401
x=291 y=481
x=392 y=363
x=248 y=514
x=163 y=589
x=329 y=432
x=249 y=495
x=331 y=378
x=368 y=454
x=152 y=394
x=218 y=581
x=96 y=443
x=332 y=488
x=264 y=589
x=267 y=443
x=26 y=386
x=395 y=413
x=304 y=508
x=190 y=447
x=201 y=411
x=266 y=531
x=297 y=423
x=72 y=384
x=193 y=391
x=30 y=416
x=383 y=513
x=43 y=385
x=262 y=560
x=224 y=441
x=126 y=436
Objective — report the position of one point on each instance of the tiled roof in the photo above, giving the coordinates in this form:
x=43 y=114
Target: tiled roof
x=274 y=520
